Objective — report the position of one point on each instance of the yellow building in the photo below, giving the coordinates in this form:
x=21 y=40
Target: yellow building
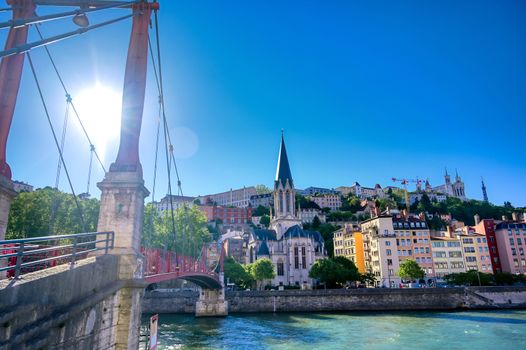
x=348 y=242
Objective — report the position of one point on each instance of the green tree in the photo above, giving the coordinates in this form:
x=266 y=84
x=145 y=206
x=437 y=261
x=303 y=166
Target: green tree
x=334 y=272
x=261 y=270
x=236 y=273
x=191 y=230
x=368 y=278
x=410 y=270
x=265 y=220
x=316 y=222
x=48 y=211
x=384 y=203
x=197 y=201
x=262 y=189
x=260 y=211
x=469 y=278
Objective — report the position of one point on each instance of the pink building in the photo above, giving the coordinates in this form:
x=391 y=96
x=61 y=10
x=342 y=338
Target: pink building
x=511 y=241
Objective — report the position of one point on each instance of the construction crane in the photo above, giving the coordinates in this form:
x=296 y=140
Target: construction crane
x=404 y=183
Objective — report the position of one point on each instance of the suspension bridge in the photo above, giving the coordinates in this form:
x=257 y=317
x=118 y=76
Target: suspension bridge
x=114 y=250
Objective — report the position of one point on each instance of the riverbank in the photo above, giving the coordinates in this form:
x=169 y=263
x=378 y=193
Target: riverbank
x=371 y=299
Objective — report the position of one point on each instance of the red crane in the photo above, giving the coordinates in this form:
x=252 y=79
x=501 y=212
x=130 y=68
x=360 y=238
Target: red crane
x=404 y=183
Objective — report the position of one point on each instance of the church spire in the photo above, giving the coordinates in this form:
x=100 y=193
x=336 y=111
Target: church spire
x=484 y=192
x=283 y=170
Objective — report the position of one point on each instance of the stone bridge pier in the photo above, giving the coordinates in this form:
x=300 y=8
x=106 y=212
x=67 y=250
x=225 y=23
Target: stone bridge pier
x=212 y=302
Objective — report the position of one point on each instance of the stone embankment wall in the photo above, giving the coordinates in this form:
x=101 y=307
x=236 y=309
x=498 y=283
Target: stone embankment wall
x=62 y=308
x=346 y=300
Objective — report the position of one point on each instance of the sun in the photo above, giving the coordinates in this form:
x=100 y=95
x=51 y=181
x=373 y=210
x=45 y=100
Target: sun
x=99 y=108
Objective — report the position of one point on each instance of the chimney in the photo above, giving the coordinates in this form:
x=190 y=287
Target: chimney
x=504 y=218
x=477 y=219
x=515 y=216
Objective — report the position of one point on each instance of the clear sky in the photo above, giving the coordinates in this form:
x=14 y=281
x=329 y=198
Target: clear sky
x=365 y=91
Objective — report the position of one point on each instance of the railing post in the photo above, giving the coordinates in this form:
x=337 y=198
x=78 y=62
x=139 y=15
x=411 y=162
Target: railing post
x=107 y=242
x=20 y=254
x=74 y=253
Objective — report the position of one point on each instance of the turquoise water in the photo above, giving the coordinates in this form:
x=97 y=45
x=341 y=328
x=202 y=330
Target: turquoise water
x=407 y=330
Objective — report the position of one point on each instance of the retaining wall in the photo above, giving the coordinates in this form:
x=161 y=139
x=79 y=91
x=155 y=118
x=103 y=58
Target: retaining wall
x=346 y=300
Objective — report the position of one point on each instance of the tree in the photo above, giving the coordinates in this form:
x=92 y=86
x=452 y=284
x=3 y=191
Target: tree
x=260 y=211
x=236 y=273
x=261 y=270
x=410 y=270
x=197 y=201
x=334 y=272
x=368 y=278
x=262 y=189
x=191 y=230
x=469 y=278
x=265 y=220
x=316 y=222
x=48 y=211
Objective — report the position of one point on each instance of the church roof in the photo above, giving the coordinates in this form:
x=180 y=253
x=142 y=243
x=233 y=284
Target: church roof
x=283 y=171
x=263 y=249
x=265 y=235
x=296 y=231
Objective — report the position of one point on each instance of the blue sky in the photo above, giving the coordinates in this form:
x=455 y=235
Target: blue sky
x=365 y=91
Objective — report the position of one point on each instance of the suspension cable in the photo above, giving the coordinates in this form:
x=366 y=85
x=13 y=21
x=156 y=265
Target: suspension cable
x=26 y=47
x=165 y=131
x=22 y=22
x=92 y=150
x=63 y=138
x=56 y=141
x=59 y=76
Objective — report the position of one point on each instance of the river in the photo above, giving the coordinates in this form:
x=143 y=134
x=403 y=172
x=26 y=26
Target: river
x=372 y=330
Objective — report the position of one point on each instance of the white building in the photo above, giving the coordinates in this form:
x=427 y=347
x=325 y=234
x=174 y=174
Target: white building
x=332 y=201
x=308 y=215
x=20 y=186
x=237 y=198
x=175 y=200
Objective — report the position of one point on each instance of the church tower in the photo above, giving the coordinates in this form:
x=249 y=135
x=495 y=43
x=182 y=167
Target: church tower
x=484 y=192
x=284 y=195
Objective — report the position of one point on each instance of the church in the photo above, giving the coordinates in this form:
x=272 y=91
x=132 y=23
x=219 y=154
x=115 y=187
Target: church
x=291 y=249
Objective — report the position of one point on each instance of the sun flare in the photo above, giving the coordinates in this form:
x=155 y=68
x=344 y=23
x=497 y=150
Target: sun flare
x=99 y=108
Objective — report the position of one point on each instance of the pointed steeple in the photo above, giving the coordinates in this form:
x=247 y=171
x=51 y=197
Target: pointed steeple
x=457 y=178
x=283 y=170
x=484 y=192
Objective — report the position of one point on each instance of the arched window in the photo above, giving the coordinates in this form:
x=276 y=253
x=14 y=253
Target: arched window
x=279 y=267
x=280 y=194
x=287 y=200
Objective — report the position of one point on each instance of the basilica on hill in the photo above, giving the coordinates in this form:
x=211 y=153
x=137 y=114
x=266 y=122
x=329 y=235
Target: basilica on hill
x=291 y=249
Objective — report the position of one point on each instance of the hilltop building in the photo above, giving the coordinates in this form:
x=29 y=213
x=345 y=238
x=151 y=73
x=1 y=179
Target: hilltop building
x=20 y=186
x=234 y=198
x=451 y=189
x=291 y=249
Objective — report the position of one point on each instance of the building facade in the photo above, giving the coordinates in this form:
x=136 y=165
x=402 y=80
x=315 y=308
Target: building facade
x=511 y=242
x=20 y=186
x=380 y=250
x=263 y=200
x=331 y=201
x=227 y=215
x=447 y=256
x=413 y=241
x=307 y=215
x=236 y=198
x=348 y=242
x=177 y=202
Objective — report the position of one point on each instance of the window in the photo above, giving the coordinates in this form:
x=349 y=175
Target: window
x=280 y=268
x=519 y=241
x=512 y=242
x=296 y=258
x=303 y=258
x=388 y=243
x=388 y=251
x=513 y=251
x=389 y=262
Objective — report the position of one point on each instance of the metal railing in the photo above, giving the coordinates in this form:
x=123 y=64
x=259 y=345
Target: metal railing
x=19 y=256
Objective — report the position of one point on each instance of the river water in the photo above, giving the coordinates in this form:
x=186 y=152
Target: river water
x=372 y=330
